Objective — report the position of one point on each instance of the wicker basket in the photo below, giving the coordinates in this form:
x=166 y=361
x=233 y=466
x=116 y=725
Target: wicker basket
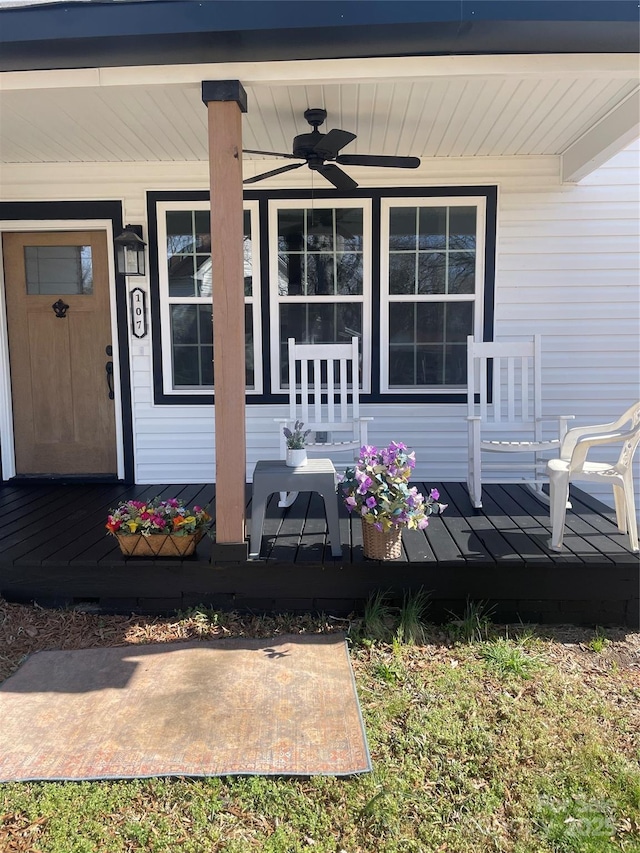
x=159 y=545
x=381 y=545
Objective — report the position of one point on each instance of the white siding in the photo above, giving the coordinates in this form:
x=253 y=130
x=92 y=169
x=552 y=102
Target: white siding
x=567 y=267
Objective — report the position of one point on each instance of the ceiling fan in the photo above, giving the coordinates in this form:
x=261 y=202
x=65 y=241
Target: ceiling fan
x=316 y=148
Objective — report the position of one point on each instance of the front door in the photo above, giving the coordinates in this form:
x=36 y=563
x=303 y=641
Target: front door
x=59 y=322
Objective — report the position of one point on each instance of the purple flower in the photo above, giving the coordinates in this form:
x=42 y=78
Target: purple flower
x=435 y=494
x=370 y=502
x=350 y=502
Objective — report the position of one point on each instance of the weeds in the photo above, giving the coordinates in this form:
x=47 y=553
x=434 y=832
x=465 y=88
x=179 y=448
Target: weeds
x=377 y=622
x=505 y=658
x=412 y=627
x=598 y=642
x=474 y=624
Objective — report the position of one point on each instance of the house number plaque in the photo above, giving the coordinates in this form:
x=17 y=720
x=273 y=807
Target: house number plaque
x=138 y=312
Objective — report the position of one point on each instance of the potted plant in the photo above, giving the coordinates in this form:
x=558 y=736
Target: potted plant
x=157 y=528
x=296 y=442
x=378 y=489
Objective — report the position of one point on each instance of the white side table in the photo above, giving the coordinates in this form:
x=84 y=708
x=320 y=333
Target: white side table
x=273 y=475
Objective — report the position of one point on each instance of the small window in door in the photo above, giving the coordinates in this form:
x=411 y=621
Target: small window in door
x=57 y=270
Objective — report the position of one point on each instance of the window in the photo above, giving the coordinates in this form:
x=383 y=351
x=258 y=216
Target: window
x=432 y=276
x=320 y=277
x=185 y=276
x=65 y=270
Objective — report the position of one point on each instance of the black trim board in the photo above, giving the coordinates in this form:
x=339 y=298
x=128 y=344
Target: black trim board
x=165 y=32
x=489 y=192
x=75 y=212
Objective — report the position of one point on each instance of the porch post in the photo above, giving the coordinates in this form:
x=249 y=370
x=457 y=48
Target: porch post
x=226 y=100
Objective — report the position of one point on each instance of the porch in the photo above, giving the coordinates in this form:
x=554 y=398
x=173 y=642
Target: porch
x=54 y=550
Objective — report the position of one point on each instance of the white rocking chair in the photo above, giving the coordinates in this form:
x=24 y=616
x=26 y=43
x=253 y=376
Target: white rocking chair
x=504 y=414
x=573 y=465
x=324 y=393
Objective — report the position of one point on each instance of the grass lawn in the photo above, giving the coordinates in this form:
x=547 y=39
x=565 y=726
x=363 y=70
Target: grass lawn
x=483 y=738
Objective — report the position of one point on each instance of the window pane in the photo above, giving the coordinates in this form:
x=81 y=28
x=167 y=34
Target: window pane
x=430 y=365
x=206 y=365
x=401 y=367
x=185 y=367
x=203 y=277
x=205 y=324
x=317 y=324
x=432 y=271
x=291 y=275
x=402 y=227
x=427 y=343
x=462 y=228
x=250 y=373
x=320 y=275
x=247 y=249
x=455 y=364
x=402 y=322
x=182 y=281
x=349 y=228
x=290 y=230
x=462 y=272
x=192 y=344
x=459 y=321
x=320 y=230
x=402 y=272
x=349 y=274
x=58 y=270
x=184 y=324
x=432 y=228
x=430 y=321
x=179 y=232
x=202 y=227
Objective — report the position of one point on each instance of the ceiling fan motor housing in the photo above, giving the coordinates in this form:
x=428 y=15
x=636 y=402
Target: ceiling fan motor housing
x=304 y=143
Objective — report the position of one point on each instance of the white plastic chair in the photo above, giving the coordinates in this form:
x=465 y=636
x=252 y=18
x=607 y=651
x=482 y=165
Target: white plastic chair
x=573 y=465
x=324 y=393
x=504 y=415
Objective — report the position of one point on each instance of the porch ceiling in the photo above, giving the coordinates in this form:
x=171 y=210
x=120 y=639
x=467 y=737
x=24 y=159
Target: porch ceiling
x=481 y=106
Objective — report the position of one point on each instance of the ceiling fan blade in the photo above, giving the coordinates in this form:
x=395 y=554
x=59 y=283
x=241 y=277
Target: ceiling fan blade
x=337 y=177
x=373 y=160
x=270 y=153
x=332 y=142
x=272 y=173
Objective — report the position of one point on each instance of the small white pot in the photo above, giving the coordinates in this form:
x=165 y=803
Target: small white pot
x=296 y=458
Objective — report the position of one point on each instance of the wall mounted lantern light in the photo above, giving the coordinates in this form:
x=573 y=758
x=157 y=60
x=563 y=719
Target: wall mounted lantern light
x=130 y=251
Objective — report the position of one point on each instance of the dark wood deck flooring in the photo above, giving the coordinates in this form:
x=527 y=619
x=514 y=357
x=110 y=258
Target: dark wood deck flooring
x=54 y=549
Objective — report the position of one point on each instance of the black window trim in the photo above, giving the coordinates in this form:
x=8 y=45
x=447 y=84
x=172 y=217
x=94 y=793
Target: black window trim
x=489 y=192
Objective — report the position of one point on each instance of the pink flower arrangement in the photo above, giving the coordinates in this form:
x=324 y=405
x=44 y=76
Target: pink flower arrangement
x=378 y=489
x=148 y=518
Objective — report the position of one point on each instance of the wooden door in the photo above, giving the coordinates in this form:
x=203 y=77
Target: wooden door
x=59 y=322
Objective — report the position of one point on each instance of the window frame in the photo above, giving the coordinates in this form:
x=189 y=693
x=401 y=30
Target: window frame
x=165 y=300
x=364 y=203
x=386 y=298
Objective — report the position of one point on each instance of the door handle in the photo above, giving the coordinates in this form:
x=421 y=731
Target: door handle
x=109 y=371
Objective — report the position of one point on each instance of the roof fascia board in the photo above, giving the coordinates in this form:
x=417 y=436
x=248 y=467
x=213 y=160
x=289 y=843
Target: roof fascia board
x=114 y=34
x=619 y=128
x=333 y=71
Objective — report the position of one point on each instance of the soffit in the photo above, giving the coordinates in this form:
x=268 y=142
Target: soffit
x=447 y=115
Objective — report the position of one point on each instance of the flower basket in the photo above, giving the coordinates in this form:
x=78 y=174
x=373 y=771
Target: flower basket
x=379 y=544
x=159 y=545
x=157 y=528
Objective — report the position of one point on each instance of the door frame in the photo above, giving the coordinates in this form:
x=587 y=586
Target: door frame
x=119 y=340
